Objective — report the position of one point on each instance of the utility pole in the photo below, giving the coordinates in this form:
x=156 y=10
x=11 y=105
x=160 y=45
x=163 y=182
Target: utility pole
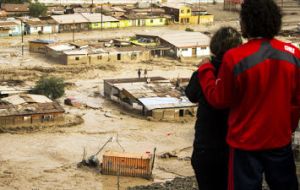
x=199 y=12
x=92 y=5
x=101 y=16
x=151 y=8
x=22 y=34
x=73 y=30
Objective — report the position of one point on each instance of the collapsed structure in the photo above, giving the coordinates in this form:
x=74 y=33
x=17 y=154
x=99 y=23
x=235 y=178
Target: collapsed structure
x=127 y=164
x=29 y=109
x=156 y=97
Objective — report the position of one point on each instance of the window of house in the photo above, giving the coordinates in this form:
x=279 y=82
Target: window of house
x=184 y=49
x=99 y=57
x=203 y=48
x=118 y=56
x=188 y=11
x=76 y=58
x=26 y=118
x=182 y=11
x=47 y=117
x=187 y=20
x=181 y=113
x=151 y=21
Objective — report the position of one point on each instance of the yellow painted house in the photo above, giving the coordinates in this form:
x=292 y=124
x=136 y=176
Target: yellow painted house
x=98 y=21
x=132 y=20
x=186 y=14
x=123 y=23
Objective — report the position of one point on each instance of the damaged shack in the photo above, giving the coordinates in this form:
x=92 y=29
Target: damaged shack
x=127 y=164
x=29 y=109
x=154 y=97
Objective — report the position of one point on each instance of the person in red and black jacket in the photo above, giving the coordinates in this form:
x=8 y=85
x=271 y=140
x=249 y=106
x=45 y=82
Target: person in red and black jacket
x=210 y=150
x=260 y=83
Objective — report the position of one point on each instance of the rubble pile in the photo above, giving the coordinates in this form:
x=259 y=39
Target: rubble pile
x=186 y=183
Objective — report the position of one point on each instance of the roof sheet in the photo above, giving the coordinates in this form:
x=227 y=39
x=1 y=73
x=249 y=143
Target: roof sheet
x=61 y=47
x=126 y=155
x=153 y=94
x=181 y=39
x=14 y=100
x=43 y=41
x=28 y=104
x=96 y=17
x=8 y=23
x=70 y=19
x=165 y=102
x=9 y=7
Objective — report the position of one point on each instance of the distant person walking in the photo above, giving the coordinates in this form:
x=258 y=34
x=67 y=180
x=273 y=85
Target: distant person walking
x=260 y=83
x=139 y=72
x=145 y=73
x=210 y=153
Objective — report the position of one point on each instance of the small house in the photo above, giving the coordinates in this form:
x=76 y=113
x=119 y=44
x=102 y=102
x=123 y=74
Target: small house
x=71 y=22
x=29 y=109
x=15 y=9
x=185 y=13
x=182 y=44
x=39 y=45
x=154 y=97
x=127 y=164
x=10 y=28
x=100 y=21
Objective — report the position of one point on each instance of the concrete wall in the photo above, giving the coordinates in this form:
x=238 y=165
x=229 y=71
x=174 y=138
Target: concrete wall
x=31 y=119
x=203 y=51
x=188 y=52
x=170 y=114
x=204 y=19
x=37 y=47
x=105 y=25
x=129 y=56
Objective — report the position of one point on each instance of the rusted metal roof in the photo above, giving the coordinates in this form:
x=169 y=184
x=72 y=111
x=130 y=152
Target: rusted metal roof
x=28 y=104
x=127 y=155
x=15 y=7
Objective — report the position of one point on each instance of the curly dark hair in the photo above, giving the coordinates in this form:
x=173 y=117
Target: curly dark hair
x=223 y=40
x=260 y=18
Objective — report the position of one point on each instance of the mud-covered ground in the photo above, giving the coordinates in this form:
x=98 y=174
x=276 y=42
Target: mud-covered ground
x=47 y=158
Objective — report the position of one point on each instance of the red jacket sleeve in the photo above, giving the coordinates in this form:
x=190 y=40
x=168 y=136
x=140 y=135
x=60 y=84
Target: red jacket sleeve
x=219 y=91
x=296 y=102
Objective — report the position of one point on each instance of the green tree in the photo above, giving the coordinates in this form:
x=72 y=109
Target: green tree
x=37 y=9
x=52 y=87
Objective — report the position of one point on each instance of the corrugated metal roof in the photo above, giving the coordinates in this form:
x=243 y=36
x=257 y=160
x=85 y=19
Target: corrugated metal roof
x=39 y=98
x=96 y=17
x=153 y=94
x=181 y=39
x=70 y=19
x=28 y=104
x=77 y=52
x=165 y=102
x=14 y=100
x=126 y=155
x=61 y=47
x=43 y=41
x=12 y=90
